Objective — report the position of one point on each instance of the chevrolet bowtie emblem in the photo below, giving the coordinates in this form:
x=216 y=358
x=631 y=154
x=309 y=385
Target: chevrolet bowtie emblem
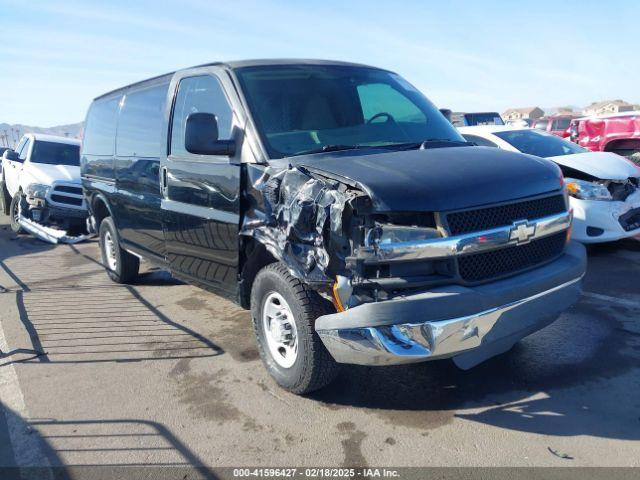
x=522 y=231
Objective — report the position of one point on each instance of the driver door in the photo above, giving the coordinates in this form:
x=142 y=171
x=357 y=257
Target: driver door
x=201 y=193
x=13 y=168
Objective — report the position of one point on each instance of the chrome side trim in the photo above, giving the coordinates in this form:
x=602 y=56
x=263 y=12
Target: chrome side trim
x=198 y=211
x=469 y=243
x=414 y=342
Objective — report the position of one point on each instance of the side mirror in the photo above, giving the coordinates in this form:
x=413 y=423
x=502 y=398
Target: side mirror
x=201 y=136
x=11 y=155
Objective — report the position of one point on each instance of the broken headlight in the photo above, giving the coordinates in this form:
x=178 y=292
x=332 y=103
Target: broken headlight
x=388 y=234
x=587 y=190
x=37 y=190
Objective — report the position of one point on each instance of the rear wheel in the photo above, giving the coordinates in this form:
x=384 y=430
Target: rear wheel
x=122 y=267
x=14 y=213
x=5 y=199
x=284 y=312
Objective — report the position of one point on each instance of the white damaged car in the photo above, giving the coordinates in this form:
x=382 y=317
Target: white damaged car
x=604 y=187
x=41 y=189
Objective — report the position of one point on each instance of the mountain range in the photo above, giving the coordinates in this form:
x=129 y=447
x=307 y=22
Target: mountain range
x=11 y=133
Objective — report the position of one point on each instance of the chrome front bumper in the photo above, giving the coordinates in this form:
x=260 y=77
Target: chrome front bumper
x=468 y=324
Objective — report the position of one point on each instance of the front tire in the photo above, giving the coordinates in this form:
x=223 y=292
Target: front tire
x=284 y=312
x=14 y=213
x=121 y=266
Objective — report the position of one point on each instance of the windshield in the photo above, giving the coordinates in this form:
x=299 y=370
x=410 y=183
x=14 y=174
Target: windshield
x=304 y=108
x=541 y=144
x=541 y=124
x=53 y=153
x=488 y=118
x=561 y=123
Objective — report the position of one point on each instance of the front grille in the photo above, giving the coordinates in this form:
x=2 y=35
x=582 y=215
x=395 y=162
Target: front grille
x=66 y=189
x=65 y=199
x=498 y=263
x=630 y=220
x=492 y=217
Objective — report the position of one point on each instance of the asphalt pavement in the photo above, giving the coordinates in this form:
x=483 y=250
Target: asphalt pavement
x=162 y=373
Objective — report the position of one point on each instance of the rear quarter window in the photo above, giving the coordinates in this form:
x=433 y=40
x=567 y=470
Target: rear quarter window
x=96 y=158
x=140 y=123
x=100 y=130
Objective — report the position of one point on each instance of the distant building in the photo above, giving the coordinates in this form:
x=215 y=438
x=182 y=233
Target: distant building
x=527 y=113
x=565 y=111
x=607 y=106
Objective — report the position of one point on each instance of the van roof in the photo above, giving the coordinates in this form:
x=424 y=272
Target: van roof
x=232 y=65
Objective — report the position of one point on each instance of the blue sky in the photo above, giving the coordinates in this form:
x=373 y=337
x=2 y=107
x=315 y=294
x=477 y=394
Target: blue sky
x=474 y=55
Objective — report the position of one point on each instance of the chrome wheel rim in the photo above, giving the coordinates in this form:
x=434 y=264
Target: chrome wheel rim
x=16 y=212
x=279 y=329
x=110 y=251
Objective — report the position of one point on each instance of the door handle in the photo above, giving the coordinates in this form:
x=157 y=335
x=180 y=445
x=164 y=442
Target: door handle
x=163 y=180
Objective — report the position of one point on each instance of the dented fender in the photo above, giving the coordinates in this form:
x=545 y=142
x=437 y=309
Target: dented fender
x=298 y=217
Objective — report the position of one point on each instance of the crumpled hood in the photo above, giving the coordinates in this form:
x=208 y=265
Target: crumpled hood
x=602 y=165
x=438 y=179
x=47 y=174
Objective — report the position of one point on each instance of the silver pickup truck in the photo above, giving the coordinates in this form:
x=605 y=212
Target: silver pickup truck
x=40 y=185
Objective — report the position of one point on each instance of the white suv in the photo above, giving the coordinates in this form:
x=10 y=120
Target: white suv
x=41 y=182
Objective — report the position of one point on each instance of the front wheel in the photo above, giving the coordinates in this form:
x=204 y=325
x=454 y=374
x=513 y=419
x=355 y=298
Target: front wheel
x=14 y=213
x=122 y=267
x=284 y=312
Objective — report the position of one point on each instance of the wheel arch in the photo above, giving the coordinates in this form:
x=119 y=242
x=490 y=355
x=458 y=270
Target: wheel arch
x=100 y=209
x=254 y=257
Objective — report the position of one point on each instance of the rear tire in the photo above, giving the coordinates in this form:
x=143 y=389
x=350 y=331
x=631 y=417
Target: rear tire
x=5 y=199
x=14 y=213
x=296 y=308
x=121 y=266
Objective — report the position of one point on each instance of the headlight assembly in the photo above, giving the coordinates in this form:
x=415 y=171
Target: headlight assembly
x=37 y=190
x=587 y=190
x=386 y=233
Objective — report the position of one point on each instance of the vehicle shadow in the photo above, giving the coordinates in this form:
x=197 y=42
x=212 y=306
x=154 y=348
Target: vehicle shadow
x=72 y=449
x=578 y=376
x=29 y=455
x=119 y=448
x=74 y=314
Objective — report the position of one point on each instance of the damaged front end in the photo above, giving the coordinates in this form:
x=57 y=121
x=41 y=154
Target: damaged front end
x=54 y=214
x=325 y=230
x=415 y=286
x=307 y=221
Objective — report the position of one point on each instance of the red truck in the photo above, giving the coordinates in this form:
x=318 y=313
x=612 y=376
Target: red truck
x=555 y=124
x=617 y=132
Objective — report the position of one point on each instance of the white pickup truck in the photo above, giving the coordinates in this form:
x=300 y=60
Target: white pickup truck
x=41 y=183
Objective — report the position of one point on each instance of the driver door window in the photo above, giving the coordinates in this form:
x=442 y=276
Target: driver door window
x=22 y=154
x=20 y=147
x=201 y=94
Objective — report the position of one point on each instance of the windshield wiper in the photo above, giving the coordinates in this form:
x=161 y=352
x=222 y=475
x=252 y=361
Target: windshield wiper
x=443 y=142
x=333 y=148
x=429 y=143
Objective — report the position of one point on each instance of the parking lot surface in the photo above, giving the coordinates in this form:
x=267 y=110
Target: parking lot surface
x=163 y=373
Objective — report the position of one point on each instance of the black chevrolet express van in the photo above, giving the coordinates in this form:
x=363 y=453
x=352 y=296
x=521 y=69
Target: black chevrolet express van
x=339 y=205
